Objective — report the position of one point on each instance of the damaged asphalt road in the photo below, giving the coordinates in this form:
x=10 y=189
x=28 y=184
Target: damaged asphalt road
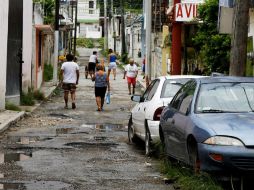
x=56 y=149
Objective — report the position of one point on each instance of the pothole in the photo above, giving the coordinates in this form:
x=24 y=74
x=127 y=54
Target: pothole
x=5 y=186
x=104 y=127
x=91 y=144
x=26 y=140
x=59 y=115
x=14 y=157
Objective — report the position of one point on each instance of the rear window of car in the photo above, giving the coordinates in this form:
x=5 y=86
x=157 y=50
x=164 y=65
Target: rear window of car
x=171 y=87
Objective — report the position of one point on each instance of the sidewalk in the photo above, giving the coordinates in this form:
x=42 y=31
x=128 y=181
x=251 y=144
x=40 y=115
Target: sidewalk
x=7 y=117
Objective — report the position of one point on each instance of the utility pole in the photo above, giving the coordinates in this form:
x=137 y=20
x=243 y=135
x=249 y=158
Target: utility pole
x=105 y=26
x=238 y=54
x=113 y=21
x=148 y=28
x=123 y=29
x=75 y=30
x=56 y=40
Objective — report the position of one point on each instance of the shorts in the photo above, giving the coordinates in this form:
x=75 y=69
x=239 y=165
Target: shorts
x=100 y=92
x=91 y=67
x=69 y=87
x=131 y=80
x=112 y=65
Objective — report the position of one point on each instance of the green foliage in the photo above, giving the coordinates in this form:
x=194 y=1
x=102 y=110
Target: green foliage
x=48 y=72
x=10 y=106
x=184 y=179
x=101 y=42
x=85 y=42
x=27 y=99
x=213 y=48
x=38 y=95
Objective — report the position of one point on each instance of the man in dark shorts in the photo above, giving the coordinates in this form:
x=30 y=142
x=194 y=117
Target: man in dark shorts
x=92 y=64
x=70 y=76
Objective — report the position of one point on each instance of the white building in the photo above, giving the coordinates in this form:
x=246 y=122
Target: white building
x=88 y=17
x=3 y=46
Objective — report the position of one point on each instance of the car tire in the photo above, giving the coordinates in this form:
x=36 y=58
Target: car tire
x=131 y=134
x=147 y=142
x=194 y=158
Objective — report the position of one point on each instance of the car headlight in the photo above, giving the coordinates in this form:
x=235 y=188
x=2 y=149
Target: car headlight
x=223 y=141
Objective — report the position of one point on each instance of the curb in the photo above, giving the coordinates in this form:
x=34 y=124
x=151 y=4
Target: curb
x=16 y=116
x=11 y=117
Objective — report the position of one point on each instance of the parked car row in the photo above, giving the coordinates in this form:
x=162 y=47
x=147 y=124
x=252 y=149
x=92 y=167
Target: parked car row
x=206 y=122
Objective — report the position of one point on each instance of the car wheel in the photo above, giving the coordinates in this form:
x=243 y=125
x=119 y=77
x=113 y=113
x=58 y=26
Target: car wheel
x=194 y=158
x=131 y=134
x=147 y=143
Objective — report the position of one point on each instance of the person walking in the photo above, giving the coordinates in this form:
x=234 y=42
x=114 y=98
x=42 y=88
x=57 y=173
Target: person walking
x=112 y=63
x=131 y=71
x=70 y=77
x=101 y=84
x=93 y=60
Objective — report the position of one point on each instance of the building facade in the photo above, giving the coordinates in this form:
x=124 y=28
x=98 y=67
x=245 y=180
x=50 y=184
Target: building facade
x=88 y=17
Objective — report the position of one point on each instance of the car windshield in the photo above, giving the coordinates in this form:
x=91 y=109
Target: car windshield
x=171 y=86
x=226 y=97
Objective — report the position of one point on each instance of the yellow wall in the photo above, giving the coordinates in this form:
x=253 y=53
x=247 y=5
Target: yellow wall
x=165 y=51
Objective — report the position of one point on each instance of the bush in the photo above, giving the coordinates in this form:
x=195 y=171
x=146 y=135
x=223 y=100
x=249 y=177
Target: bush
x=85 y=42
x=38 y=95
x=48 y=72
x=27 y=99
x=101 y=42
x=10 y=106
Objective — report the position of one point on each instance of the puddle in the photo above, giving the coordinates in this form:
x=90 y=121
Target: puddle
x=26 y=140
x=60 y=131
x=100 y=138
x=104 y=127
x=14 y=157
x=59 y=115
x=13 y=186
x=91 y=144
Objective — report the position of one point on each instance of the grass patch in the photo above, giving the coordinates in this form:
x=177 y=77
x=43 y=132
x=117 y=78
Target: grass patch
x=28 y=99
x=48 y=72
x=38 y=95
x=11 y=106
x=57 y=91
x=182 y=176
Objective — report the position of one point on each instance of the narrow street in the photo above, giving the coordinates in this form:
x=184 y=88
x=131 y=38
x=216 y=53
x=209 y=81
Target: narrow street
x=54 y=148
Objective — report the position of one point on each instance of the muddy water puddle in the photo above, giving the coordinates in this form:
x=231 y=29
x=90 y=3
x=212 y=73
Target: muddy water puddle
x=105 y=127
x=14 y=157
x=9 y=186
x=38 y=185
x=26 y=140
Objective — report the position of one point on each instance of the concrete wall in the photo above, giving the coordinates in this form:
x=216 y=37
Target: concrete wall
x=27 y=44
x=3 y=46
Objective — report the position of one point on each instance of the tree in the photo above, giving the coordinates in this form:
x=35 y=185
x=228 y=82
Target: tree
x=238 y=55
x=213 y=48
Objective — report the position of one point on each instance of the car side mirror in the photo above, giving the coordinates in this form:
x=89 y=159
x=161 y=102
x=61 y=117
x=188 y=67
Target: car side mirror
x=136 y=98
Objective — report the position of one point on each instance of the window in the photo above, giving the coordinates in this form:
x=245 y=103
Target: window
x=91 y=4
x=150 y=91
x=183 y=98
x=91 y=12
x=171 y=86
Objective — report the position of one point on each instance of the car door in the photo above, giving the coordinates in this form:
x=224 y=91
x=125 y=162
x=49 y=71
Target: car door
x=177 y=124
x=138 y=113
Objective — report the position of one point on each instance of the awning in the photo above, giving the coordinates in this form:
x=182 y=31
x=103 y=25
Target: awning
x=46 y=29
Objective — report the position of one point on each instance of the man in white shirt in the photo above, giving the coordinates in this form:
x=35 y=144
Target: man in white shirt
x=70 y=76
x=92 y=63
x=131 y=71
